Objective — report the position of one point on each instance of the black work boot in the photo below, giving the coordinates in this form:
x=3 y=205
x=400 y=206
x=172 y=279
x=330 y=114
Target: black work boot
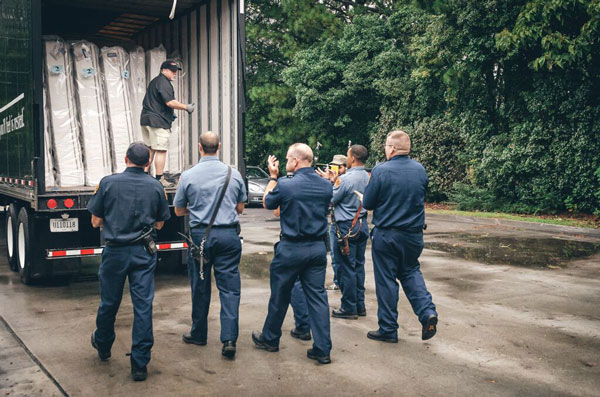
x=261 y=343
x=188 y=338
x=429 y=327
x=228 y=349
x=321 y=359
x=138 y=374
x=300 y=335
x=376 y=335
x=103 y=355
x=341 y=313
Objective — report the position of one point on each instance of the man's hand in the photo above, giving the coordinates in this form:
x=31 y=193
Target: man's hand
x=273 y=165
x=328 y=174
x=190 y=107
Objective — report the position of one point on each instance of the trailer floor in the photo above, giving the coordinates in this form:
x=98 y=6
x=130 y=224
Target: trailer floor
x=518 y=306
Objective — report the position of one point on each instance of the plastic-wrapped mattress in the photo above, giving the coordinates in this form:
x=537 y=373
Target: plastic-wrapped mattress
x=154 y=58
x=95 y=135
x=175 y=155
x=137 y=63
x=62 y=113
x=115 y=66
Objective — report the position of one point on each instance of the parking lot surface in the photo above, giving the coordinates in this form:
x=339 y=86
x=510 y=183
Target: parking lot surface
x=518 y=305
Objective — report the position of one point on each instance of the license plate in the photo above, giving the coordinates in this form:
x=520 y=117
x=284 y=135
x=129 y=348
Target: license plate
x=64 y=225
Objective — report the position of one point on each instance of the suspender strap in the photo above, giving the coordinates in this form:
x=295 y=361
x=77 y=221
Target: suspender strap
x=216 y=210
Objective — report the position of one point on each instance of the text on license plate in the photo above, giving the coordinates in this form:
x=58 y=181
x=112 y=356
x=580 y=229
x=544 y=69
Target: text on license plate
x=64 y=225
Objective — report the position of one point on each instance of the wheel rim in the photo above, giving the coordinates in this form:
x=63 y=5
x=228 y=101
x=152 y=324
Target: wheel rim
x=22 y=246
x=9 y=236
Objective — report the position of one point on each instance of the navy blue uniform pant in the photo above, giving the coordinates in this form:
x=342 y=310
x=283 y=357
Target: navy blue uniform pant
x=334 y=263
x=298 y=302
x=396 y=257
x=224 y=251
x=136 y=264
x=307 y=262
x=351 y=268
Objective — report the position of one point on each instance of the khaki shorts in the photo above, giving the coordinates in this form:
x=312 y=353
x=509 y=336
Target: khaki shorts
x=156 y=138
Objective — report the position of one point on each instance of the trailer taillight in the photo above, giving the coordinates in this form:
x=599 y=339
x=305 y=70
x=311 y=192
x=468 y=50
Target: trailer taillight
x=52 y=204
x=69 y=203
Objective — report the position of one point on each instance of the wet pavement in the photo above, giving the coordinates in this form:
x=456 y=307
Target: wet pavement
x=518 y=304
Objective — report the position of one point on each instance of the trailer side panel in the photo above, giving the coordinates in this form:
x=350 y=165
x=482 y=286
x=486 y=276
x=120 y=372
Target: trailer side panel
x=16 y=91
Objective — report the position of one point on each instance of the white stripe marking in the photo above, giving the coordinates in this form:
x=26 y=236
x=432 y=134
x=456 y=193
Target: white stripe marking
x=17 y=99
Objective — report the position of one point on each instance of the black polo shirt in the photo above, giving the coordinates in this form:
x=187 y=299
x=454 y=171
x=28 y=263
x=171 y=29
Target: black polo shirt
x=155 y=112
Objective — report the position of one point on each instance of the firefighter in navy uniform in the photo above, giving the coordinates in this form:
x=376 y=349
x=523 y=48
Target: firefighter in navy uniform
x=396 y=194
x=128 y=206
x=300 y=253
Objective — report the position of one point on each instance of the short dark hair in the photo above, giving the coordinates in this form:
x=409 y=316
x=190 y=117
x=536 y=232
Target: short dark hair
x=360 y=153
x=209 y=142
x=138 y=153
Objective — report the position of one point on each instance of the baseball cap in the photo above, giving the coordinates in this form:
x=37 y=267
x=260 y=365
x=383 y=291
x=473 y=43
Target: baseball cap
x=338 y=159
x=138 y=153
x=171 y=65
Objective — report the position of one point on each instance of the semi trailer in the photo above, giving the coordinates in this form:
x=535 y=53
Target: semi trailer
x=48 y=229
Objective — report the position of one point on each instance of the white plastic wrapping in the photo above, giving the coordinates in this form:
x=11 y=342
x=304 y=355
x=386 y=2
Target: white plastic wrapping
x=62 y=113
x=48 y=147
x=175 y=155
x=137 y=63
x=95 y=136
x=115 y=66
x=154 y=58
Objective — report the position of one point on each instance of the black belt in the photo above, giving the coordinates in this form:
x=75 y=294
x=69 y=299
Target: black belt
x=283 y=237
x=403 y=229
x=204 y=226
x=361 y=218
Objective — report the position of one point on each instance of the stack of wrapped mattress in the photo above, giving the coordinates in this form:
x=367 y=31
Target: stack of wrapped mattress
x=95 y=137
x=175 y=155
x=137 y=66
x=63 y=125
x=92 y=106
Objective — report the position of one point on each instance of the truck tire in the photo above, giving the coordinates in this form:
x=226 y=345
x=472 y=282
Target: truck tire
x=24 y=246
x=11 y=237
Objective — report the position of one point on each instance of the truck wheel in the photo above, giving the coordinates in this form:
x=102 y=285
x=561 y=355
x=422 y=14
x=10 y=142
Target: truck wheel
x=11 y=237
x=24 y=246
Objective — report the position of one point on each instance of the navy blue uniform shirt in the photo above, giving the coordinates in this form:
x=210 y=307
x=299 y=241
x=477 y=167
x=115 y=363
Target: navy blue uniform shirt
x=304 y=200
x=155 y=112
x=128 y=202
x=396 y=194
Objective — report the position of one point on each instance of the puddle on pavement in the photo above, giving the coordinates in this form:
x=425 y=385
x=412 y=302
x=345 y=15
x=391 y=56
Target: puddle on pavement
x=516 y=251
x=261 y=243
x=256 y=265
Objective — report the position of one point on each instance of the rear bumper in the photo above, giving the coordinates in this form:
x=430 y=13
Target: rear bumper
x=96 y=251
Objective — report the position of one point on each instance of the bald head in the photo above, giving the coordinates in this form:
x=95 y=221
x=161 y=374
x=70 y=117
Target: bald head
x=301 y=151
x=400 y=141
x=209 y=143
x=299 y=155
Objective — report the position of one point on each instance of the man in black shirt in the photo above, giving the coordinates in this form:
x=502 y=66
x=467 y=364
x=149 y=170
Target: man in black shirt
x=158 y=115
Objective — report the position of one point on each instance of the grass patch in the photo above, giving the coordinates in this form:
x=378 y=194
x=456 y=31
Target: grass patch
x=587 y=222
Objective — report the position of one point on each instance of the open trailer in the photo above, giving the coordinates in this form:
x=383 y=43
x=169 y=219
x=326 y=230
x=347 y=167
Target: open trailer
x=48 y=229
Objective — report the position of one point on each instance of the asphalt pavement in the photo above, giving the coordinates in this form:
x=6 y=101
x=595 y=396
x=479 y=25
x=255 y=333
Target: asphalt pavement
x=518 y=305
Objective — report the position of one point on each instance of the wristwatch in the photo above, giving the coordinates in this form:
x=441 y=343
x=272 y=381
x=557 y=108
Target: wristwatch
x=272 y=179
